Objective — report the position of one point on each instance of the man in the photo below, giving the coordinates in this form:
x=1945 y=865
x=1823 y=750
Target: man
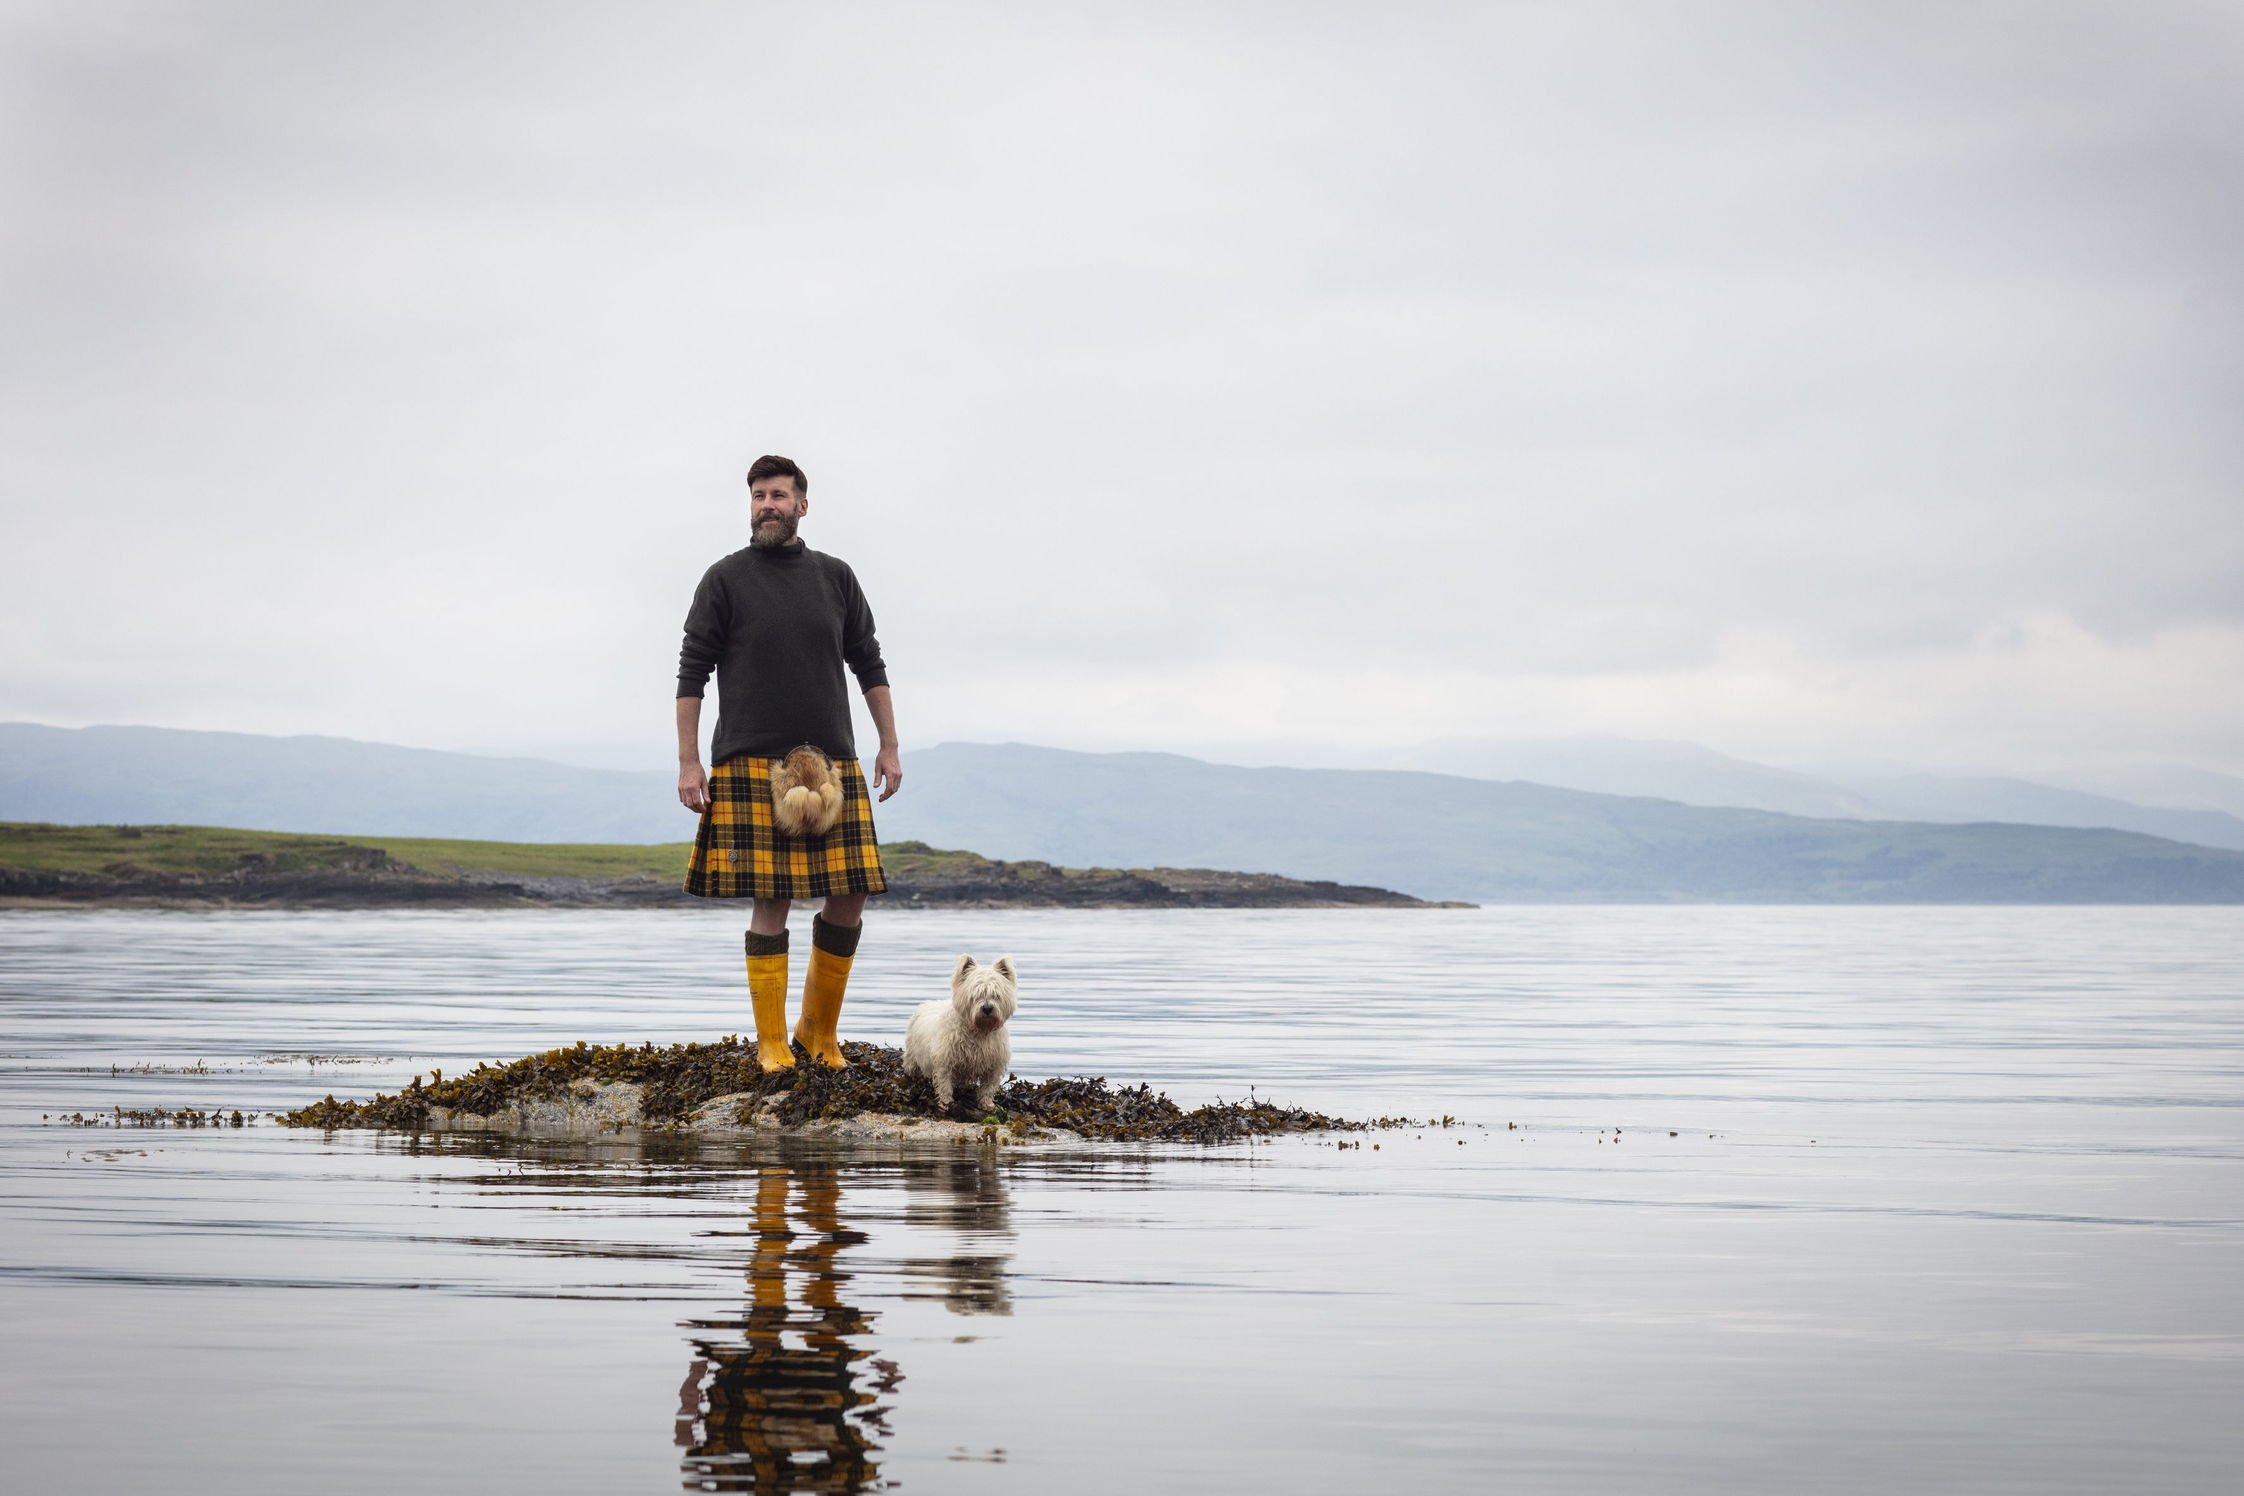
x=777 y=622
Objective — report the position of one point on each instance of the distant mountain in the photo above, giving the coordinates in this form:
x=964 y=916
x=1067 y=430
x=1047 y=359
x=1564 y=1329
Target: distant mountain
x=1664 y=770
x=1697 y=775
x=339 y=785
x=1432 y=835
x=1440 y=836
x=1980 y=797
x=2175 y=786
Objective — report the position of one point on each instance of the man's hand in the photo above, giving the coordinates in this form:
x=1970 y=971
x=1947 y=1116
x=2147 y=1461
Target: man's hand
x=693 y=780
x=888 y=764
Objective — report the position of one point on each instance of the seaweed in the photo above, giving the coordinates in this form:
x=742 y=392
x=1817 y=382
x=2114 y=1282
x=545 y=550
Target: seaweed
x=681 y=1077
x=156 y=1116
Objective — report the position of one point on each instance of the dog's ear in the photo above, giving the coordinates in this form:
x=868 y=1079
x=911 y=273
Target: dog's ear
x=958 y=972
x=1004 y=968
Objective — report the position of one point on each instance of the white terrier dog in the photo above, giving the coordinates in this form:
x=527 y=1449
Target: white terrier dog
x=962 y=1042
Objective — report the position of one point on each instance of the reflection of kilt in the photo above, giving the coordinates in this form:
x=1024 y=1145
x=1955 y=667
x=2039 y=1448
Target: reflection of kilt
x=739 y=854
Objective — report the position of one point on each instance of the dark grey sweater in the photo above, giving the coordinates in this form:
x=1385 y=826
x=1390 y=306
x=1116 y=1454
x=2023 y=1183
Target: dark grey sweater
x=776 y=626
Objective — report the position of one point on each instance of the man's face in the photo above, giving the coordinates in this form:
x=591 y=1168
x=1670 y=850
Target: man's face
x=774 y=509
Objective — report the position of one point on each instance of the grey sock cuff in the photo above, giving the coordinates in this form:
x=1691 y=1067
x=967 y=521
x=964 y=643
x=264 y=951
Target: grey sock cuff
x=834 y=940
x=767 y=945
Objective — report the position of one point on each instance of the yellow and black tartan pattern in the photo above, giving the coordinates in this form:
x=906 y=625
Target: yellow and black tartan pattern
x=740 y=854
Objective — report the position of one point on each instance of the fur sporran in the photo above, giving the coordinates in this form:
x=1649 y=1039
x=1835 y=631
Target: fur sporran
x=806 y=793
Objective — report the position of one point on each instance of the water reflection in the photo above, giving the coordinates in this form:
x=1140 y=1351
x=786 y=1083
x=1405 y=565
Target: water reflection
x=1991 y=1087
x=773 y=1402
x=966 y=1196
x=787 y=1396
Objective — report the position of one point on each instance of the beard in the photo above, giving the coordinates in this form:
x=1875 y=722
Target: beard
x=773 y=533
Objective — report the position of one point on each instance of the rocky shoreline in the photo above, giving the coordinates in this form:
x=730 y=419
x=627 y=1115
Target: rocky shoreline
x=718 y=1091
x=590 y=1109
x=361 y=877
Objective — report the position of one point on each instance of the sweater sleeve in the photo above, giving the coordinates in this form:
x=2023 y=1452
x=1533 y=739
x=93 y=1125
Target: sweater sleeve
x=859 y=647
x=706 y=626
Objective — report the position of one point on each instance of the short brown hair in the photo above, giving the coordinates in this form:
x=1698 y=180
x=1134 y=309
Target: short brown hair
x=778 y=467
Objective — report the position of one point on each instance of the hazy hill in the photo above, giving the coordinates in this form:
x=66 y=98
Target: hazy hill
x=1696 y=775
x=1987 y=797
x=1444 y=837
x=1432 y=835
x=2172 y=785
x=156 y=774
x=1662 y=769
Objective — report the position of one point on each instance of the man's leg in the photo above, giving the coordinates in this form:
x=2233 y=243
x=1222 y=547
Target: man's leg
x=767 y=981
x=833 y=946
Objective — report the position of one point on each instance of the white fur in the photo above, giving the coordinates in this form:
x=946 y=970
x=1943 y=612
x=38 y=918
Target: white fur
x=806 y=794
x=961 y=1043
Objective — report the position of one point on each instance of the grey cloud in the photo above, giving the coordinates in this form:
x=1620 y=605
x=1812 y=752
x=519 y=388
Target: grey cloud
x=1563 y=340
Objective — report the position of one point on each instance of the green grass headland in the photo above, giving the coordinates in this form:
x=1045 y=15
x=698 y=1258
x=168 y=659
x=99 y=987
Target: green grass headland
x=222 y=849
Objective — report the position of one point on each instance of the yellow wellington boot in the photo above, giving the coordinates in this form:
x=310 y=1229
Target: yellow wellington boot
x=767 y=994
x=832 y=949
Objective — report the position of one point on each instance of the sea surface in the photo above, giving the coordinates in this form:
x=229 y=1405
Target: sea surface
x=1730 y=1200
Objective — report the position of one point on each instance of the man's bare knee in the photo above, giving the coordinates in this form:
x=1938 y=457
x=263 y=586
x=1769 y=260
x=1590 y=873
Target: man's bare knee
x=844 y=909
x=767 y=916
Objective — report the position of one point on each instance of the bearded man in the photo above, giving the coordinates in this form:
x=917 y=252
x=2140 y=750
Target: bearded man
x=777 y=622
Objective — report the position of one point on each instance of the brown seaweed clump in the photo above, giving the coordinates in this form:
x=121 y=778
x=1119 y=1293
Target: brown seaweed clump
x=681 y=1077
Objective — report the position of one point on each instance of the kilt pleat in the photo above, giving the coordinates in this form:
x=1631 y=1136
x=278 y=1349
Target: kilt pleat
x=739 y=854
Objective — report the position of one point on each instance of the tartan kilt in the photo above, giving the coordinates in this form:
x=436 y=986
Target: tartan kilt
x=739 y=854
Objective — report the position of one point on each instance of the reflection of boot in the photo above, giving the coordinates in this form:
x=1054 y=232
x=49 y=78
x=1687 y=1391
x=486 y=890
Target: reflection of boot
x=767 y=1269
x=767 y=994
x=780 y=1407
x=832 y=949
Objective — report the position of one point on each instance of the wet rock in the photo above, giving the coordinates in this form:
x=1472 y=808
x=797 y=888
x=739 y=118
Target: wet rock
x=747 y=1115
x=586 y=1109
x=591 y=1109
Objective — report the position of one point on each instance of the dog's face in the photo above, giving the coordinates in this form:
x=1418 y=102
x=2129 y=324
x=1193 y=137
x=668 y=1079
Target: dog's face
x=983 y=995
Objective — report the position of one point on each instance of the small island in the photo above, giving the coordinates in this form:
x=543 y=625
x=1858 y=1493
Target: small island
x=208 y=867
x=718 y=1092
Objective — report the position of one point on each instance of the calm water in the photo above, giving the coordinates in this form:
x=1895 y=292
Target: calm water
x=1899 y=1200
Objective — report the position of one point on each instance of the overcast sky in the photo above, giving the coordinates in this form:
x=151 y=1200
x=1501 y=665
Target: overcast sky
x=1807 y=380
